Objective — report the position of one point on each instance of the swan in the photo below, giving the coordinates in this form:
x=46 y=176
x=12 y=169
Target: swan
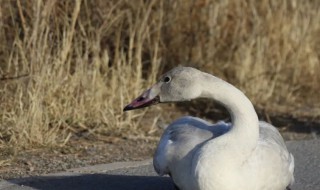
x=246 y=154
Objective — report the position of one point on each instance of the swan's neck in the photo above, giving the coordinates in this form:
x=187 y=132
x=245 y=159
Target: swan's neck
x=244 y=134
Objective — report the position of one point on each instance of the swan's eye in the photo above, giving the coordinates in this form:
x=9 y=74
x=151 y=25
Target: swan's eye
x=166 y=79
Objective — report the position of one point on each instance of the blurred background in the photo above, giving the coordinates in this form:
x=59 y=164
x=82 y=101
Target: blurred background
x=67 y=69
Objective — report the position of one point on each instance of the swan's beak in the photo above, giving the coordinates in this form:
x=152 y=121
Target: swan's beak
x=148 y=98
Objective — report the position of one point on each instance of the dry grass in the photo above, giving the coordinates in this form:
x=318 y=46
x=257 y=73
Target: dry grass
x=81 y=71
x=269 y=49
x=85 y=60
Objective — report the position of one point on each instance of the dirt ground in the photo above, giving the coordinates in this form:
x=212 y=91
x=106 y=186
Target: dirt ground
x=76 y=154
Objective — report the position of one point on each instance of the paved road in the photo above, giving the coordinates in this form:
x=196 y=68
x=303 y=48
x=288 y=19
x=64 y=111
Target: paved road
x=140 y=175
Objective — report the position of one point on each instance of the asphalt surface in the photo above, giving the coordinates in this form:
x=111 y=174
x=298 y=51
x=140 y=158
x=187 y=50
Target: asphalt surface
x=141 y=176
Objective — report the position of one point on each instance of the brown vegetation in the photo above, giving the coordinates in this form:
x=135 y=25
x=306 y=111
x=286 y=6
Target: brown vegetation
x=69 y=67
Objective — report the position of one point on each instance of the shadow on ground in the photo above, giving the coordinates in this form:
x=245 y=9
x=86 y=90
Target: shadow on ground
x=97 y=182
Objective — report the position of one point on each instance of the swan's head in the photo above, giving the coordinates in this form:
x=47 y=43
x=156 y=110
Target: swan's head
x=179 y=84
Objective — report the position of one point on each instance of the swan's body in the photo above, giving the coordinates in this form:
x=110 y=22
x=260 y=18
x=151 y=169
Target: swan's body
x=244 y=155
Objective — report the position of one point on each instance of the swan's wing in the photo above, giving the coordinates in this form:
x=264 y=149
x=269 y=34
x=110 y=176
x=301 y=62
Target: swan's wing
x=181 y=137
x=270 y=136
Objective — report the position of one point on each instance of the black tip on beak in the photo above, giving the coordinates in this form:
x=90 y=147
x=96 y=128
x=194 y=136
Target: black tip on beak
x=128 y=107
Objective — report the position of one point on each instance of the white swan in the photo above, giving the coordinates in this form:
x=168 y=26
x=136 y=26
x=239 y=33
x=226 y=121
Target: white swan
x=244 y=155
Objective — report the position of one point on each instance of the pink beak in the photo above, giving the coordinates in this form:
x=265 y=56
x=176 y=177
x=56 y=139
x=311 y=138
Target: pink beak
x=142 y=101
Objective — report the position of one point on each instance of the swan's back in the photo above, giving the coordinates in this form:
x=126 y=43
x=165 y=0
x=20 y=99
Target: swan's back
x=181 y=138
